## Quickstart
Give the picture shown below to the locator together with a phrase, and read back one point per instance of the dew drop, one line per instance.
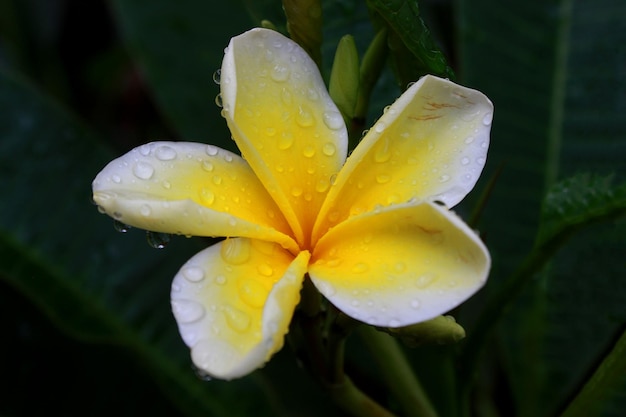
(237, 319)
(166, 184)
(304, 118)
(217, 180)
(465, 160)
(328, 149)
(360, 268)
(207, 166)
(165, 153)
(220, 280)
(280, 73)
(322, 185)
(145, 210)
(333, 120)
(218, 101)
(193, 273)
(212, 150)
(488, 119)
(469, 139)
(120, 227)
(143, 170)
(235, 251)
(270, 131)
(425, 280)
(157, 240)
(285, 141)
(308, 151)
(296, 191)
(266, 270)
(252, 293)
(116, 179)
(444, 178)
(217, 75)
(383, 153)
(207, 196)
(144, 149)
(383, 178)
(187, 311)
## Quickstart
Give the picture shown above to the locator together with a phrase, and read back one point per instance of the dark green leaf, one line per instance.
(413, 49)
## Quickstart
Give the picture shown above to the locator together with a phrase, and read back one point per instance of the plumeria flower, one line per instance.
(371, 231)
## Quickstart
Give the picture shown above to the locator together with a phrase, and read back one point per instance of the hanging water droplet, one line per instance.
(165, 153)
(218, 101)
(200, 374)
(143, 170)
(217, 76)
(157, 240)
(120, 227)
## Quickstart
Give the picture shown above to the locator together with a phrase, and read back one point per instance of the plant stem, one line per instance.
(353, 401)
(396, 372)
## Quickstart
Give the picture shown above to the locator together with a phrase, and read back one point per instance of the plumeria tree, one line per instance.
(365, 245)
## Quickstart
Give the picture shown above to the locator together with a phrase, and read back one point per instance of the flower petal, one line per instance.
(284, 122)
(399, 265)
(189, 189)
(233, 303)
(430, 144)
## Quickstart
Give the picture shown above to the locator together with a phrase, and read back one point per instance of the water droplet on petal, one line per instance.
(252, 292)
(469, 140)
(280, 73)
(465, 160)
(144, 149)
(165, 153)
(143, 170)
(360, 268)
(220, 280)
(296, 191)
(304, 118)
(116, 179)
(212, 150)
(488, 119)
(193, 273)
(207, 196)
(333, 120)
(145, 210)
(383, 178)
(425, 280)
(308, 151)
(237, 319)
(235, 251)
(265, 269)
(329, 149)
(207, 166)
(187, 311)
(218, 101)
(285, 141)
(416, 304)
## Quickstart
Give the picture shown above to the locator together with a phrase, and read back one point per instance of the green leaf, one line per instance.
(554, 77)
(93, 282)
(178, 47)
(304, 23)
(413, 49)
(607, 378)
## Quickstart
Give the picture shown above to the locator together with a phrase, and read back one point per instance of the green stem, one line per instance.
(354, 402)
(397, 373)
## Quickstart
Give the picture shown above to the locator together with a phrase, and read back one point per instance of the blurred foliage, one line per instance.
(85, 309)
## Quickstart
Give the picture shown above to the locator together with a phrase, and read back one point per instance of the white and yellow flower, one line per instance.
(368, 230)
